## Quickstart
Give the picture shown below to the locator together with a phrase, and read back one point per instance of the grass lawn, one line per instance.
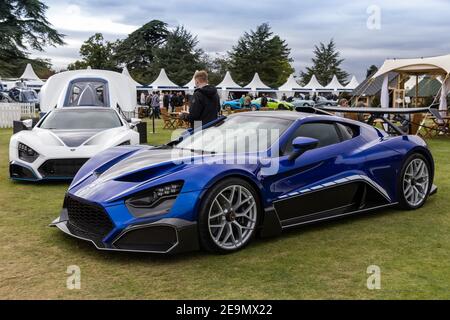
(321, 261)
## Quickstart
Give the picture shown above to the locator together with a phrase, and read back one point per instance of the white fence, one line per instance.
(10, 112)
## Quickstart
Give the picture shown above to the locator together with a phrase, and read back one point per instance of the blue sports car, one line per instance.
(246, 175)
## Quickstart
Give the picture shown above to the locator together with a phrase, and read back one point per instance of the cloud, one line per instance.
(408, 28)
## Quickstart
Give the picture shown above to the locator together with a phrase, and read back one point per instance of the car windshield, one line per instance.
(238, 134)
(81, 119)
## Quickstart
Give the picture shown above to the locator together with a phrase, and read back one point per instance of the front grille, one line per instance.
(61, 168)
(89, 218)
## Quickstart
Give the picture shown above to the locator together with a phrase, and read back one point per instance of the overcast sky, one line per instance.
(406, 28)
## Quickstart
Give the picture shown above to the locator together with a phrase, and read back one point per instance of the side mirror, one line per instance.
(300, 145)
(134, 122)
(28, 124)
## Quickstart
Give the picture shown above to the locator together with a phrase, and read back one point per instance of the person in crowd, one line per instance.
(173, 102)
(142, 99)
(247, 101)
(205, 106)
(344, 104)
(242, 100)
(264, 101)
(283, 97)
(166, 101)
(180, 99)
(155, 105)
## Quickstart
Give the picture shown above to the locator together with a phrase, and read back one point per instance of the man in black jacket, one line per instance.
(205, 105)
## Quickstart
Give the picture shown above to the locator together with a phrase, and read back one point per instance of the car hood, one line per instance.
(123, 170)
(75, 138)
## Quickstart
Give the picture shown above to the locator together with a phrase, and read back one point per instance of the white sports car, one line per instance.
(84, 115)
(64, 140)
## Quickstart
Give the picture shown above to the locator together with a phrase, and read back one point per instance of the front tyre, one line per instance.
(229, 216)
(414, 182)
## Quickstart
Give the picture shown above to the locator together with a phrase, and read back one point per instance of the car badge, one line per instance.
(72, 150)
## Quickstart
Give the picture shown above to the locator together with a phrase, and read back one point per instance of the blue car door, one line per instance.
(292, 195)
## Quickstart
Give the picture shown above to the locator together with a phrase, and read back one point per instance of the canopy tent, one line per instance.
(313, 85)
(428, 86)
(164, 83)
(334, 85)
(352, 85)
(127, 73)
(228, 83)
(290, 86)
(439, 65)
(256, 85)
(30, 78)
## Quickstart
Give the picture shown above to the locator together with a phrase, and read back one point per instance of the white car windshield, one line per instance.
(238, 134)
(80, 119)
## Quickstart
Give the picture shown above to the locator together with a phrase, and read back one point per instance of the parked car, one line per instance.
(83, 116)
(233, 105)
(301, 102)
(181, 197)
(273, 104)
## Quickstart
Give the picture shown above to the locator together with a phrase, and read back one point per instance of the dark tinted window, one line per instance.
(324, 132)
(81, 119)
(347, 132)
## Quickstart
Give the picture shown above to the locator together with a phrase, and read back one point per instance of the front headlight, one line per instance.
(155, 201)
(26, 153)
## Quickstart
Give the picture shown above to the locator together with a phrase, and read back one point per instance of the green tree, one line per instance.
(263, 52)
(137, 50)
(217, 68)
(23, 26)
(371, 71)
(326, 64)
(179, 56)
(97, 53)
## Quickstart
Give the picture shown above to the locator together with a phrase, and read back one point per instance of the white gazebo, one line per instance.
(352, 84)
(437, 66)
(313, 85)
(228, 85)
(164, 83)
(290, 87)
(256, 85)
(190, 86)
(334, 85)
(30, 78)
(127, 73)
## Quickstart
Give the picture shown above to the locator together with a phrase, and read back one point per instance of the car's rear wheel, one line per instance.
(229, 216)
(415, 182)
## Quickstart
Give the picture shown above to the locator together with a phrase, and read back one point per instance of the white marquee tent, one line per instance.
(352, 84)
(334, 85)
(228, 83)
(290, 87)
(313, 85)
(190, 86)
(439, 65)
(256, 85)
(127, 73)
(163, 82)
(30, 78)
